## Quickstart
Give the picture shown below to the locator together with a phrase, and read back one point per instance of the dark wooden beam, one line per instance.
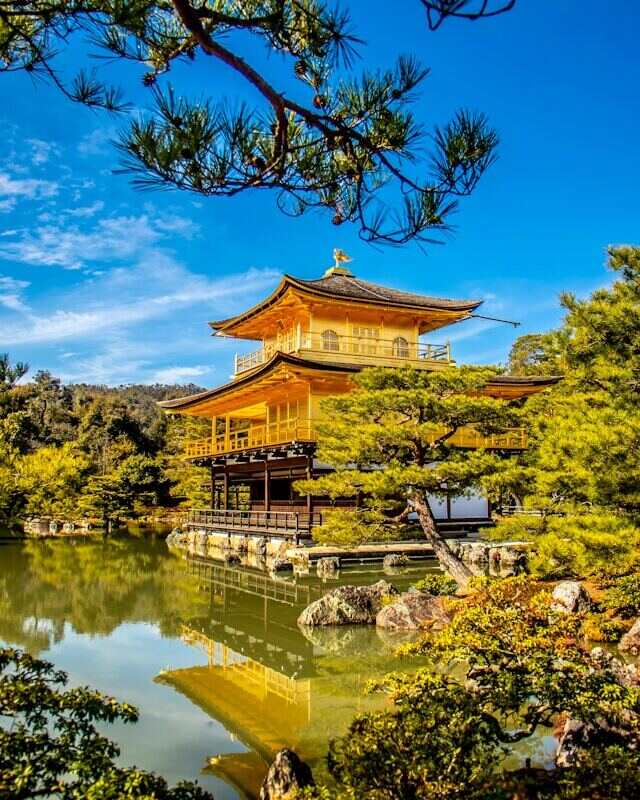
(225, 488)
(267, 493)
(309, 476)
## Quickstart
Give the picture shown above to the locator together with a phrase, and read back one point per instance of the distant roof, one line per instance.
(342, 286)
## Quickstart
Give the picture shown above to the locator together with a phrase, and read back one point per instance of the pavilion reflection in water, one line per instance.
(267, 682)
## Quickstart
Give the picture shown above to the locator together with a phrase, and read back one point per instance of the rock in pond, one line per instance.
(395, 560)
(287, 775)
(279, 565)
(413, 610)
(630, 642)
(570, 597)
(348, 605)
(328, 567)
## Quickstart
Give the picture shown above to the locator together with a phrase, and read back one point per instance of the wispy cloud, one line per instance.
(12, 189)
(156, 287)
(42, 151)
(108, 239)
(178, 374)
(11, 293)
(96, 143)
(83, 212)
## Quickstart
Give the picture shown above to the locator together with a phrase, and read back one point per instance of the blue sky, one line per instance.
(99, 282)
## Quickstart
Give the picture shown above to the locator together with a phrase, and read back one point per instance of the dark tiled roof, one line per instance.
(526, 380)
(353, 288)
(348, 287)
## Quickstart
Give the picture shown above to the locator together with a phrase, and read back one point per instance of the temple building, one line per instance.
(314, 336)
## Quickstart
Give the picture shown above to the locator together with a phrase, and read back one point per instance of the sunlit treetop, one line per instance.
(342, 141)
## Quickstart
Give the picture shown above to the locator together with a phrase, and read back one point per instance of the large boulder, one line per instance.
(414, 610)
(578, 737)
(286, 777)
(630, 642)
(570, 597)
(348, 605)
(575, 737)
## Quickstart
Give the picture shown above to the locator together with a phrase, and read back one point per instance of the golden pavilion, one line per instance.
(314, 335)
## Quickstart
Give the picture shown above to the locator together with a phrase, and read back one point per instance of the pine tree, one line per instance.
(334, 141)
(584, 458)
(391, 442)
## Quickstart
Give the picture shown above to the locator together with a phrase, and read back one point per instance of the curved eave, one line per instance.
(184, 403)
(462, 307)
(507, 386)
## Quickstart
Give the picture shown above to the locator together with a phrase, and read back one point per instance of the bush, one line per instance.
(436, 583)
(598, 628)
(624, 596)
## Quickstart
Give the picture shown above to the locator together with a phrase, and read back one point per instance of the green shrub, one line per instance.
(437, 583)
(598, 628)
(623, 596)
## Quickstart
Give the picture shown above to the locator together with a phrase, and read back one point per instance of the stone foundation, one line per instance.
(48, 527)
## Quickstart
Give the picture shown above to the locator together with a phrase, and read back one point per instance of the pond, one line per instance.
(210, 654)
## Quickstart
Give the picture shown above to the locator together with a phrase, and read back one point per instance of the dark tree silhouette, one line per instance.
(439, 10)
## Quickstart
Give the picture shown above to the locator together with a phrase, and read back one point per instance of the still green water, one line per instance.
(211, 655)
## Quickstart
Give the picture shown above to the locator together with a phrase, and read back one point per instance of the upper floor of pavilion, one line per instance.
(340, 318)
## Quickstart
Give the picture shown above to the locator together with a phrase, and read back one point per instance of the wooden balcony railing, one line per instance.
(251, 437)
(284, 523)
(302, 430)
(397, 350)
(514, 439)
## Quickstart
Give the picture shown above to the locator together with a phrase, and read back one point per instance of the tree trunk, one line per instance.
(448, 560)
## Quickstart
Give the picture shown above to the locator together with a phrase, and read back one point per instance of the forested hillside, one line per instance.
(85, 450)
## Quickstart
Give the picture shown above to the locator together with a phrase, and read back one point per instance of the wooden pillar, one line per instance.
(225, 488)
(267, 488)
(309, 476)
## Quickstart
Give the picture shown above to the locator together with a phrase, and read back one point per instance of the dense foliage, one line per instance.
(72, 451)
(582, 468)
(50, 745)
(406, 420)
(515, 666)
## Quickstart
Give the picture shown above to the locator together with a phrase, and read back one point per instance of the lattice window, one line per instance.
(400, 347)
(330, 341)
(365, 340)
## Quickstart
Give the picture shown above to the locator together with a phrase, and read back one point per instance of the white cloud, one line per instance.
(156, 287)
(42, 151)
(108, 240)
(10, 294)
(31, 188)
(86, 211)
(96, 143)
(178, 374)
